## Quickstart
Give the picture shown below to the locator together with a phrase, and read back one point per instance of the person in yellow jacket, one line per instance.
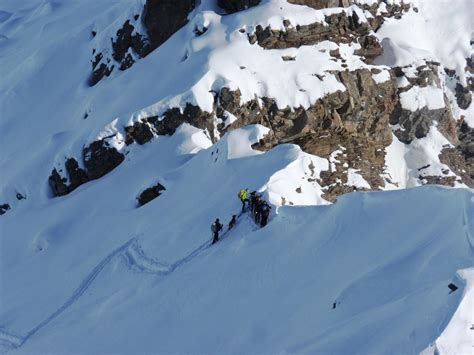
(244, 198)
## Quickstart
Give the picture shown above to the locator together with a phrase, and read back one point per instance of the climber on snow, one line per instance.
(244, 198)
(264, 213)
(257, 209)
(216, 227)
(253, 200)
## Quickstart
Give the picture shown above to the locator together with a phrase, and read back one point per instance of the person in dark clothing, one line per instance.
(253, 200)
(258, 211)
(232, 222)
(216, 228)
(258, 200)
(265, 212)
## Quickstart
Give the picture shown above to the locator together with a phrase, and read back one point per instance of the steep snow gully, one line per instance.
(395, 266)
(136, 260)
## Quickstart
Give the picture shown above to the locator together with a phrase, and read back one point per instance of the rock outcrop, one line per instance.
(150, 194)
(460, 158)
(322, 4)
(339, 28)
(416, 124)
(4, 208)
(379, 14)
(237, 5)
(343, 27)
(463, 96)
(355, 122)
(99, 158)
(144, 130)
(350, 128)
(161, 19)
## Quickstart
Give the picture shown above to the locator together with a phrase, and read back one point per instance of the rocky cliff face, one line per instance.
(416, 124)
(351, 128)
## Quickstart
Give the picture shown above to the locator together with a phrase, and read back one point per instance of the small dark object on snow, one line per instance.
(150, 194)
(4, 208)
(19, 196)
(232, 222)
(452, 287)
(334, 305)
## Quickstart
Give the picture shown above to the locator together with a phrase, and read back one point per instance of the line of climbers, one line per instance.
(253, 202)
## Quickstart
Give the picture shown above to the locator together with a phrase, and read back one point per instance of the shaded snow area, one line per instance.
(367, 275)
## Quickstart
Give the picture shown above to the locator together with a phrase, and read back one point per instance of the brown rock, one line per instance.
(339, 28)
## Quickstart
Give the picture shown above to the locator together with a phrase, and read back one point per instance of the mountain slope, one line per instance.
(102, 109)
(273, 289)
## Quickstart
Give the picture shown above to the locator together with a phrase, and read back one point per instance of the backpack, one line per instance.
(214, 227)
(243, 194)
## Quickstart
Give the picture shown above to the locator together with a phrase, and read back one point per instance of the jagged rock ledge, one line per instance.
(350, 128)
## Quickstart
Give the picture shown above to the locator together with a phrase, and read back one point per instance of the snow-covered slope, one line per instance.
(262, 98)
(367, 275)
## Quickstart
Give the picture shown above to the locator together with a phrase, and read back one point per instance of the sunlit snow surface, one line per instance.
(91, 273)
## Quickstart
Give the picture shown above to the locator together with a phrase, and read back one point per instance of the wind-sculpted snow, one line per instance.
(457, 337)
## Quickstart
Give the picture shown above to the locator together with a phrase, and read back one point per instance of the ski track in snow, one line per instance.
(15, 341)
(9, 341)
(136, 260)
